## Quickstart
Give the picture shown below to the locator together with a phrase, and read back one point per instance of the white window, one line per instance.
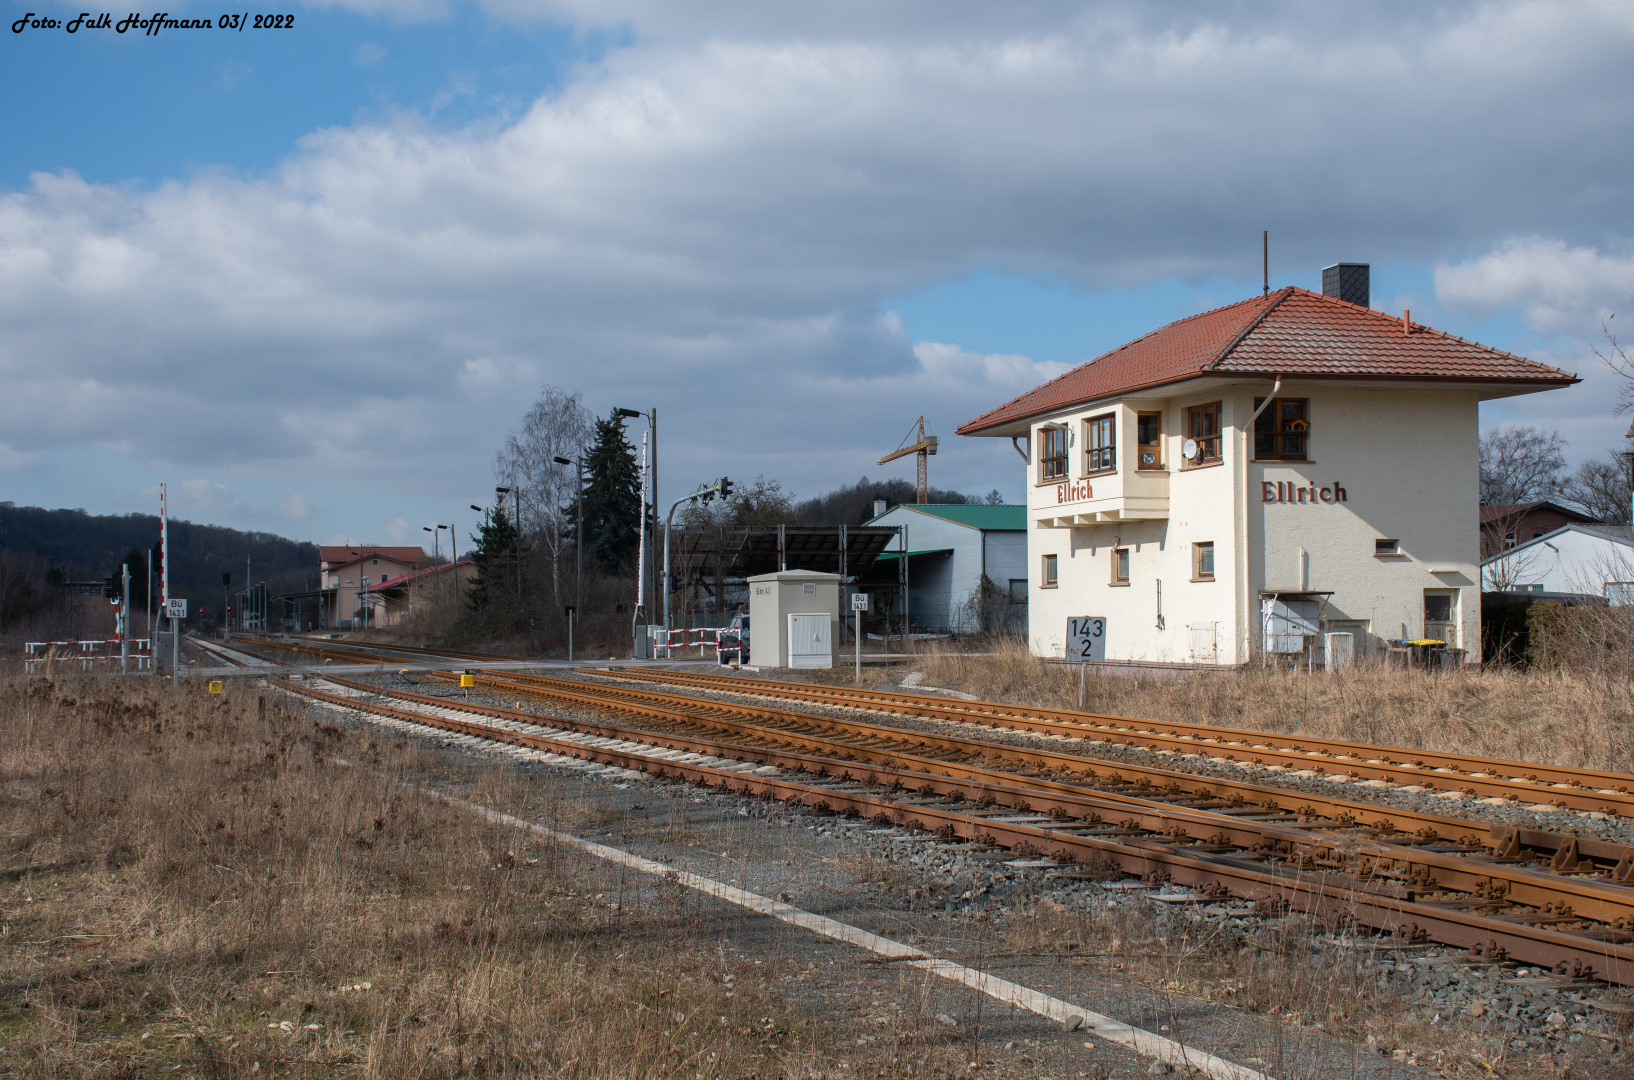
(1618, 593)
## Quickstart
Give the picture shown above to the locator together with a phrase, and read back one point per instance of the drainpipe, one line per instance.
(1240, 479)
(1276, 388)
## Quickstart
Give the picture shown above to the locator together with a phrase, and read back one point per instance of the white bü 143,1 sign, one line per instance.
(859, 601)
(176, 609)
(1086, 637)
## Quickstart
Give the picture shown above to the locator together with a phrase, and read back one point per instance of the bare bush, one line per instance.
(198, 883)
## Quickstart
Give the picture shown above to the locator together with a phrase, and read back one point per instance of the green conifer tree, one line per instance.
(494, 556)
(612, 518)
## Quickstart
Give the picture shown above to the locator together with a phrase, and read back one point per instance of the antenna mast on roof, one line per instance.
(1265, 262)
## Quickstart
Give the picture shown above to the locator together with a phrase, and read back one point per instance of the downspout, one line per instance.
(1240, 478)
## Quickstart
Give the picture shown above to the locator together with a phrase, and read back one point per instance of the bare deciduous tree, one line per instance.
(558, 425)
(1599, 488)
(1520, 464)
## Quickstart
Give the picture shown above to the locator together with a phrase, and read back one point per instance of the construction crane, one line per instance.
(924, 446)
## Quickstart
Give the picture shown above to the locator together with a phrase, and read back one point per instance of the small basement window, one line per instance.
(1387, 547)
(1048, 581)
(1202, 561)
(1018, 590)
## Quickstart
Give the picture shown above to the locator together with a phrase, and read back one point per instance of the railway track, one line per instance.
(1369, 883)
(1149, 787)
(1551, 787)
(1538, 897)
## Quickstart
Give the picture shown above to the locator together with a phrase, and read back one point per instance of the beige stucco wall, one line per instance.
(1405, 457)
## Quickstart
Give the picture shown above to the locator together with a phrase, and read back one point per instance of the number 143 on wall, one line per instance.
(1086, 637)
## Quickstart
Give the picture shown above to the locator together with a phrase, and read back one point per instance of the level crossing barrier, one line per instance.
(686, 637)
(85, 653)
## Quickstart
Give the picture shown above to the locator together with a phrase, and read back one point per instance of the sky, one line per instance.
(310, 275)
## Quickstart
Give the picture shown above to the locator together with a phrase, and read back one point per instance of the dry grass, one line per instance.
(1564, 716)
(193, 882)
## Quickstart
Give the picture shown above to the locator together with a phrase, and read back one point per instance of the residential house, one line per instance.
(1239, 483)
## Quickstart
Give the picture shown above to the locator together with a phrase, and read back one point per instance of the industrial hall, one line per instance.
(1295, 475)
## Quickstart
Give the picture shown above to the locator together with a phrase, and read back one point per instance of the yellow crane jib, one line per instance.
(922, 446)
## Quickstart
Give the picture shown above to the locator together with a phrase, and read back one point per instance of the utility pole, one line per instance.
(517, 524)
(578, 544)
(652, 421)
(720, 489)
(124, 618)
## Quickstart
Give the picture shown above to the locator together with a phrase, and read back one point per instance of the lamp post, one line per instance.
(578, 533)
(517, 526)
(652, 422)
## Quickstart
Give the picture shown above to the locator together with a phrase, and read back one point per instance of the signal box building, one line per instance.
(1239, 483)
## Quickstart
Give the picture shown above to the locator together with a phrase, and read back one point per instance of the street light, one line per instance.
(454, 562)
(517, 526)
(578, 534)
(652, 421)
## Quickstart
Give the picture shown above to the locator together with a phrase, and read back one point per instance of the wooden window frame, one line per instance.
(1278, 430)
(1101, 457)
(1218, 438)
(1049, 575)
(1116, 580)
(1052, 466)
(1197, 549)
(1156, 448)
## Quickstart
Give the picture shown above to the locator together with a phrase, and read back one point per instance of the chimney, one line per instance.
(1347, 282)
(880, 507)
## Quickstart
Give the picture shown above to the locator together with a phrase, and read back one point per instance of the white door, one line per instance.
(809, 644)
(1441, 615)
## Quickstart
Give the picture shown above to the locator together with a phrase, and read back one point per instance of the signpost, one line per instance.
(1086, 638)
(176, 611)
(859, 604)
(1086, 641)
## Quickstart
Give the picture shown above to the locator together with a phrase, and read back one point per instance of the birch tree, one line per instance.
(558, 425)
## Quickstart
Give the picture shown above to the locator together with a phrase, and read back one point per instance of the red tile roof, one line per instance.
(341, 554)
(397, 582)
(1291, 332)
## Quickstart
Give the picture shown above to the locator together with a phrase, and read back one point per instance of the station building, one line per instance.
(1242, 482)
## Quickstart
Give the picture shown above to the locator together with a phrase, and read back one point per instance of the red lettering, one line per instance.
(1338, 493)
(1327, 495)
(1267, 491)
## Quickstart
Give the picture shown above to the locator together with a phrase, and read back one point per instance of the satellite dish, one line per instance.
(1189, 450)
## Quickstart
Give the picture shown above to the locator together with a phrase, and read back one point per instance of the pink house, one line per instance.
(347, 572)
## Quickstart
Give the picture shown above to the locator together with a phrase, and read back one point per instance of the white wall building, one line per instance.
(951, 547)
(1596, 560)
(1206, 529)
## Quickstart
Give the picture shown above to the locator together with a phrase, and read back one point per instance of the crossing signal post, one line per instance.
(719, 491)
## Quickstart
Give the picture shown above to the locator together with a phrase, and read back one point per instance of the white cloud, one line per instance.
(295, 508)
(370, 54)
(707, 218)
(1558, 288)
(398, 530)
(201, 499)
